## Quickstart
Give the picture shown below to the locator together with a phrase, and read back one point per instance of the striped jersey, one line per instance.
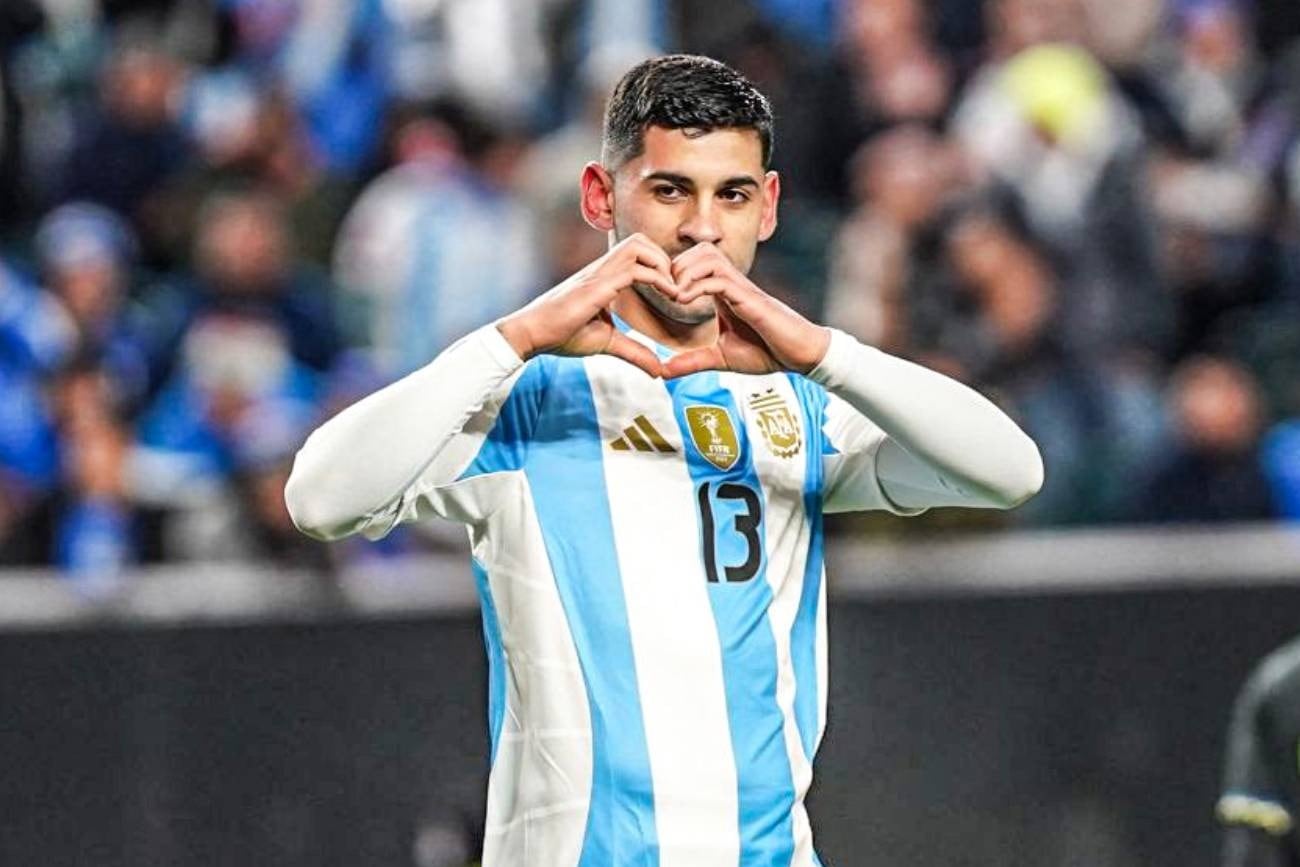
(649, 560)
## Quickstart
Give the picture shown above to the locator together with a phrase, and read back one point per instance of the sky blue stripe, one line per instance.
(803, 636)
(495, 655)
(506, 445)
(565, 471)
(749, 662)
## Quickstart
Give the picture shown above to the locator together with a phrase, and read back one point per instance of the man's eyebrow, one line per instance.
(672, 178)
(688, 184)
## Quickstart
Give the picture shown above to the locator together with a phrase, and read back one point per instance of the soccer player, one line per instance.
(643, 456)
(1261, 788)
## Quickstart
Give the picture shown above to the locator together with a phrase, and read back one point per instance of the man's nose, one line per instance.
(701, 227)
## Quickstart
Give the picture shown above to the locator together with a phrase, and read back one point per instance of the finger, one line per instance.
(697, 270)
(694, 361)
(600, 293)
(704, 256)
(661, 281)
(717, 286)
(637, 251)
(649, 253)
(624, 347)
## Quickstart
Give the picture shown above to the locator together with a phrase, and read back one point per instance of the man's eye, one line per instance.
(736, 196)
(667, 192)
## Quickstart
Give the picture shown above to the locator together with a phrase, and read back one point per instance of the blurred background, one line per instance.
(223, 220)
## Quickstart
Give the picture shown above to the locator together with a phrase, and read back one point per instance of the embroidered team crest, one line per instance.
(713, 434)
(779, 426)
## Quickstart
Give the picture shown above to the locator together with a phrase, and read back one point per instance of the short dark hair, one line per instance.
(681, 91)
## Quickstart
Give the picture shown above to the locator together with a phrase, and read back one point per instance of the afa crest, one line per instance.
(779, 426)
(714, 434)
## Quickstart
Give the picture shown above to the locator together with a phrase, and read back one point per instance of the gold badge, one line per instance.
(642, 436)
(713, 434)
(779, 426)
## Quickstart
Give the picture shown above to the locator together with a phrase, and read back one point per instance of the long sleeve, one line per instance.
(1257, 802)
(354, 471)
(943, 444)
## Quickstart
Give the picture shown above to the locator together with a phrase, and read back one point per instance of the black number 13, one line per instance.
(746, 524)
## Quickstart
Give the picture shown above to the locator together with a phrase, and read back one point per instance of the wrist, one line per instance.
(516, 334)
(818, 343)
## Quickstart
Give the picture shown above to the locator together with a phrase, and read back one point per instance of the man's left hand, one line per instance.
(756, 332)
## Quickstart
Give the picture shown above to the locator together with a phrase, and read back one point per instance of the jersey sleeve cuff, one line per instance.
(843, 355)
(498, 348)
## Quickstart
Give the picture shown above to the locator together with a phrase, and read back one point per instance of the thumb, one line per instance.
(694, 361)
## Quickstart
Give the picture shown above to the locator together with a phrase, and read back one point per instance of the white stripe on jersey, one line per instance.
(674, 637)
(540, 787)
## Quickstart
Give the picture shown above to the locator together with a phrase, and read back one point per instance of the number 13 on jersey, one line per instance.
(731, 517)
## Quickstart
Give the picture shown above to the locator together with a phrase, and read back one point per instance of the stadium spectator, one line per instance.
(94, 531)
(132, 142)
(1214, 74)
(1214, 186)
(902, 180)
(236, 397)
(1050, 130)
(438, 244)
(245, 266)
(1213, 471)
(86, 253)
(255, 139)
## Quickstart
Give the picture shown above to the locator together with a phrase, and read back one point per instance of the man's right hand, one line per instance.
(573, 318)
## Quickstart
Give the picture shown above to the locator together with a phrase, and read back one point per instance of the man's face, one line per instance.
(244, 248)
(688, 188)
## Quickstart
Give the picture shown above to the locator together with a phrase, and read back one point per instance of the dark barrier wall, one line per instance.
(1067, 730)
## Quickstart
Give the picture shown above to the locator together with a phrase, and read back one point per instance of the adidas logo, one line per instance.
(641, 436)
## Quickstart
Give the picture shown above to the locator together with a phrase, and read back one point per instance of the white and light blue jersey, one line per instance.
(649, 559)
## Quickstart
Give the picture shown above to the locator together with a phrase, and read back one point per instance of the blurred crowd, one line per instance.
(221, 220)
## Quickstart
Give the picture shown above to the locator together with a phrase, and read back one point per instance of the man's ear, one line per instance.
(597, 197)
(771, 197)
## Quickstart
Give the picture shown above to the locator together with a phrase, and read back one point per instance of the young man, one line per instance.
(643, 456)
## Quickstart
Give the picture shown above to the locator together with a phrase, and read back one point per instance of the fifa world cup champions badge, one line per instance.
(778, 424)
(714, 434)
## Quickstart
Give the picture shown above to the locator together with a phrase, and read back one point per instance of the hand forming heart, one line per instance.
(756, 332)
